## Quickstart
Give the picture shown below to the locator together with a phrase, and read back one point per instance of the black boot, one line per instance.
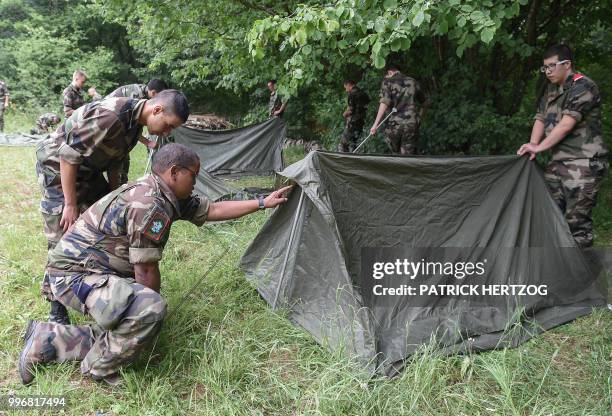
(59, 313)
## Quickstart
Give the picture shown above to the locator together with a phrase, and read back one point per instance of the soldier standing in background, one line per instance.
(95, 139)
(107, 266)
(73, 93)
(4, 102)
(140, 91)
(357, 102)
(568, 121)
(276, 106)
(405, 95)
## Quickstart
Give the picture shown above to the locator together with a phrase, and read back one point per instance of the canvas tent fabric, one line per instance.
(20, 139)
(251, 150)
(213, 188)
(306, 258)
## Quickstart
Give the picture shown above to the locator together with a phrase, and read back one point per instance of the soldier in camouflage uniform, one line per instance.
(405, 95)
(568, 120)
(276, 106)
(106, 267)
(4, 102)
(354, 114)
(138, 91)
(73, 93)
(95, 139)
(46, 122)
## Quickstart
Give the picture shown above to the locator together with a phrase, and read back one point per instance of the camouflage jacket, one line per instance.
(404, 94)
(580, 99)
(128, 226)
(4, 92)
(45, 122)
(72, 99)
(357, 102)
(136, 91)
(97, 137)
(275, 103)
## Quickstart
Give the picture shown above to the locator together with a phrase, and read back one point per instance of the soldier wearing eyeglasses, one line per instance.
(568, 121)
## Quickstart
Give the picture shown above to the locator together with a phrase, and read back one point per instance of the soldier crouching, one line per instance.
(107, 267)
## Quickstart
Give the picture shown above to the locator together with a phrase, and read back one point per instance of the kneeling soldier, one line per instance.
(106, 266)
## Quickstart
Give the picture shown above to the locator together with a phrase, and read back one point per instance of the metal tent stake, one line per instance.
(394, 110)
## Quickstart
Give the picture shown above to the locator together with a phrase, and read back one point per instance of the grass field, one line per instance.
(224, 352)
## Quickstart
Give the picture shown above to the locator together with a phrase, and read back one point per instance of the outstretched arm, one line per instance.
(227, 210)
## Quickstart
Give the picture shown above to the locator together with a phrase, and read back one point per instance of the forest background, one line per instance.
(477, 60)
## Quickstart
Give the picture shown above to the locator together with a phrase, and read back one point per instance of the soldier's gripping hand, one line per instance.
(277, 197)
(532, 149)
(70, 214)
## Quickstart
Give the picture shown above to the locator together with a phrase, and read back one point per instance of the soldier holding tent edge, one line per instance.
(568, 121)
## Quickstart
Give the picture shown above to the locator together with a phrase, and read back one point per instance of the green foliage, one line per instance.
(43, 43)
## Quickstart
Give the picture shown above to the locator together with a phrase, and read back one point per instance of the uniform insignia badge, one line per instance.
(156, 226)
(577, 76)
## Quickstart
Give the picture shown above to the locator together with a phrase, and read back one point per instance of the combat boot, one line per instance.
(59, 313)
(38, 349)
(113, 380)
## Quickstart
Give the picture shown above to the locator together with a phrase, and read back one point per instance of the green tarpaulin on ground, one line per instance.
(250, 150)
(20, 139)
(307, 257)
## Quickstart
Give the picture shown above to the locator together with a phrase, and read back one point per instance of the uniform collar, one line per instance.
(74, 87)
(137, 110)
(165, 189)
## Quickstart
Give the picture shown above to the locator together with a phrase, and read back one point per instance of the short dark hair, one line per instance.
(562, 51)
(348, 81)
(174, 101)
(157, 85)
(392, 66)
(272, 81)
(174, 154)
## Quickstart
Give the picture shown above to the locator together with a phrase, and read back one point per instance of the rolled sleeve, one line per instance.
(70, 155)
(539, 116)
(573, 114)
(582, 98)
(145, 255)
(148, 226)
(195, 210)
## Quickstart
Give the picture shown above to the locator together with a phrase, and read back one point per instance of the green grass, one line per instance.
(224, 352)
(22, 119)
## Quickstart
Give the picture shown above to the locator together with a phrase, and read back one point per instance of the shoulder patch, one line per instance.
(157, 226)
(577, 76)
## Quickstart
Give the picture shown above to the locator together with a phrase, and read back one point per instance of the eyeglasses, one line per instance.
(552, 67)
(194, 175)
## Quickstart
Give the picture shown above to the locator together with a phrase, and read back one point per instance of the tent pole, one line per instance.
(394, 110)
(291, 236)
(149, 160)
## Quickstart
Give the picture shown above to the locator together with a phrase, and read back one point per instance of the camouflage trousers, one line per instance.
(350, 135)
(127, 317)
(402, 138)
(2, 117)
(574, 185)
(89, 190)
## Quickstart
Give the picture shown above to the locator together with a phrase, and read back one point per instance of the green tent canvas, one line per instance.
(250, 150)
(307, 257)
